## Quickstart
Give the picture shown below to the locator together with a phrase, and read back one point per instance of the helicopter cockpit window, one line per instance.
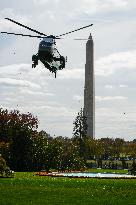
(49, 44)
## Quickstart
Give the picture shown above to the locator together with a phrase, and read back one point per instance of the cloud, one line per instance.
(56, 101)
(78, 98)
(44, 2)
(8, 26)
(84, 8)
(71, 74)
(109, 86)
(17, 75)
(40, 1)
(110, 98)
(25, 91)
(36, 91)
(14, 69)
(108, 65)
(53, 111)
(123, 86)
(112, 122)
(103, 6)
(17, 83)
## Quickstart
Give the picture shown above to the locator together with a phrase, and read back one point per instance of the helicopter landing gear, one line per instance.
(35, 61)
(33, 65)
(62, 62)
(53, 70)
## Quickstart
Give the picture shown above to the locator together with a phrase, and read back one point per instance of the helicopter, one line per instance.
(48, 53)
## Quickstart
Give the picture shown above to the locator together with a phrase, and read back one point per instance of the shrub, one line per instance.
(4, 169)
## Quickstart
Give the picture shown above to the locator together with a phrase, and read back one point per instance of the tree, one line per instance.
(80, 132)
(55, 152)
(12, 122)
(18, 129)
(5, 150)
(132, 149)
(39, 151)
(47, 152)
(2, 165)
(71, 159)
(91, 148)
(80, 125)
(4, 169)
(107, 144)
(117, 147)
(133, 168)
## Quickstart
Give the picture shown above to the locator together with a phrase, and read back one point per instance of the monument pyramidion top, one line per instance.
(90, 37)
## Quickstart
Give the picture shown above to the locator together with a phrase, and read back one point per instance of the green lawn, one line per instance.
(27, 188)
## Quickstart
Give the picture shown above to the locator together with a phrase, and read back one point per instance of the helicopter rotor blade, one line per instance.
(20, 34)
(74, 30)
(32, 36)
(26, 27)
(82, 39)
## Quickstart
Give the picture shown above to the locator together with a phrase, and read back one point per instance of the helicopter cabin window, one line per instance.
(48, 44)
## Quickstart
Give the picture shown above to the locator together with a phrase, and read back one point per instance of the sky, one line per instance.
(56, 102)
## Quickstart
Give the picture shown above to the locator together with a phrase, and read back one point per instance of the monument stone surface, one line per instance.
(89, 90)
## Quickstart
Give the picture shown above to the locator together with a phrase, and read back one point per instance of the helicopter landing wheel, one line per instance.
(33, 65)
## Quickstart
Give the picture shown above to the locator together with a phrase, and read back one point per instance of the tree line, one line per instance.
(26, 149)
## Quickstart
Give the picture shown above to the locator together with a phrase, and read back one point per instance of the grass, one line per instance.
(27, 188)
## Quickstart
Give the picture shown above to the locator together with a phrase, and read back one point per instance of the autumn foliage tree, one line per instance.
(12, 122)
(26, 149)
(18, 129)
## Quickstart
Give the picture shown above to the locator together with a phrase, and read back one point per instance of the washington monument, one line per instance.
(89, 90)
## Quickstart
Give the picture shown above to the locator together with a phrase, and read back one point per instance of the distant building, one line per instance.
(89, 90)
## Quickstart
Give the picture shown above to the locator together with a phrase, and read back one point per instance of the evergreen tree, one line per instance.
(80, 132)
(80, 125)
